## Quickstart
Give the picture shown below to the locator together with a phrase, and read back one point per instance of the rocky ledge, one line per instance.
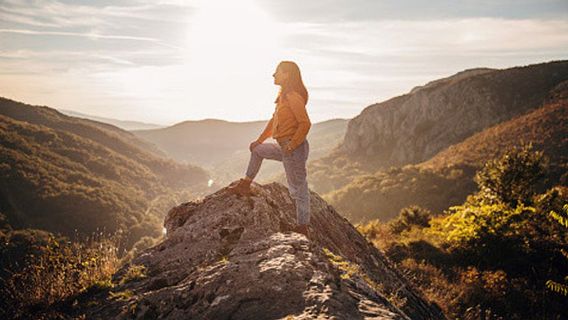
(231, 257)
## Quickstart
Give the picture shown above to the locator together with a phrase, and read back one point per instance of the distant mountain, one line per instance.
(414, 127)
(325, 136)
(49, 116)
(376, 171)
(546, 127)
(64, 174)
(123, 124)
(205, 142)
(222, 146)
(453, 78)
(447, 178)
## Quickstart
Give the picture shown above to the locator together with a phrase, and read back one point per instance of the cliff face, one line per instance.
(227, 257)
(414, 127)
(447, 178)
(544, 127)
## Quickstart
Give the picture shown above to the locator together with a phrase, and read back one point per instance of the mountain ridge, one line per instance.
(222, 147)
(447, 178)
(69, 175)
(414, 127)
(123, 124)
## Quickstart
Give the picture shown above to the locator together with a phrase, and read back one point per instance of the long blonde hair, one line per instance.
(294, 82)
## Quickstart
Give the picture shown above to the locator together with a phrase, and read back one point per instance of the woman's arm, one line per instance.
(267, 131)
(298, 107)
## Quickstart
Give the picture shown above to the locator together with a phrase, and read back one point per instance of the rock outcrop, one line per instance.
(416, 126)
(231, 257)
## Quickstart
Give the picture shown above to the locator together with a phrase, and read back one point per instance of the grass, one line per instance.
(56, 270)
(134, 272)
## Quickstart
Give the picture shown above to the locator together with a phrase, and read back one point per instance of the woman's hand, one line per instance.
(287, 151)
(253, 145)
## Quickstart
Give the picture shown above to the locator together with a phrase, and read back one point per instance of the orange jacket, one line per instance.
(290, 119)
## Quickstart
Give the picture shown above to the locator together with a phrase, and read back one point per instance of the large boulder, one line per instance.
(231, 257)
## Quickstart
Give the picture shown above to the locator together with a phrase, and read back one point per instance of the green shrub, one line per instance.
(410, 216)
(477, 225)
(490, 257)
(512, 178)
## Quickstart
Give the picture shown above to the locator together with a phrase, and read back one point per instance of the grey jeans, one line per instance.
(295, 168)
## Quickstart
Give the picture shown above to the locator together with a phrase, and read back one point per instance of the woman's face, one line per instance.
(280, 76)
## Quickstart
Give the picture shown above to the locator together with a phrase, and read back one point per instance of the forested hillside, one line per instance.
(76, 176)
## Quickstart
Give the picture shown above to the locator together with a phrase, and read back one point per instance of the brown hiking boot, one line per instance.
(241, 188)
(303, 229)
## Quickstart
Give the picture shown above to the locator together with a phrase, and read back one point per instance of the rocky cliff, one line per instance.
(230, 257)
(414, 127)
(447, 179)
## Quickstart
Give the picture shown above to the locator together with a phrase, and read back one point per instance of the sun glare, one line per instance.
(233, 30)
(233, 47)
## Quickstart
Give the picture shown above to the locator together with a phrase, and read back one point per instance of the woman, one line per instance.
(289, 125)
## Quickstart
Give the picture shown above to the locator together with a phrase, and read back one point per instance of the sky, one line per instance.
(167, 61)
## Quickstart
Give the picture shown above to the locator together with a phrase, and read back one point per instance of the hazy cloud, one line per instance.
(364, 10)
(133, 54)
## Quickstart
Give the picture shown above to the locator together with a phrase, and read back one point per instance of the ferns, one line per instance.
(558, 287)
(562, 220)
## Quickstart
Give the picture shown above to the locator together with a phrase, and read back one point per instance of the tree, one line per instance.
(409, 216)
(512, 178)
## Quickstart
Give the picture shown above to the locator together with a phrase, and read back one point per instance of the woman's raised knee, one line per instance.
(256, 149)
